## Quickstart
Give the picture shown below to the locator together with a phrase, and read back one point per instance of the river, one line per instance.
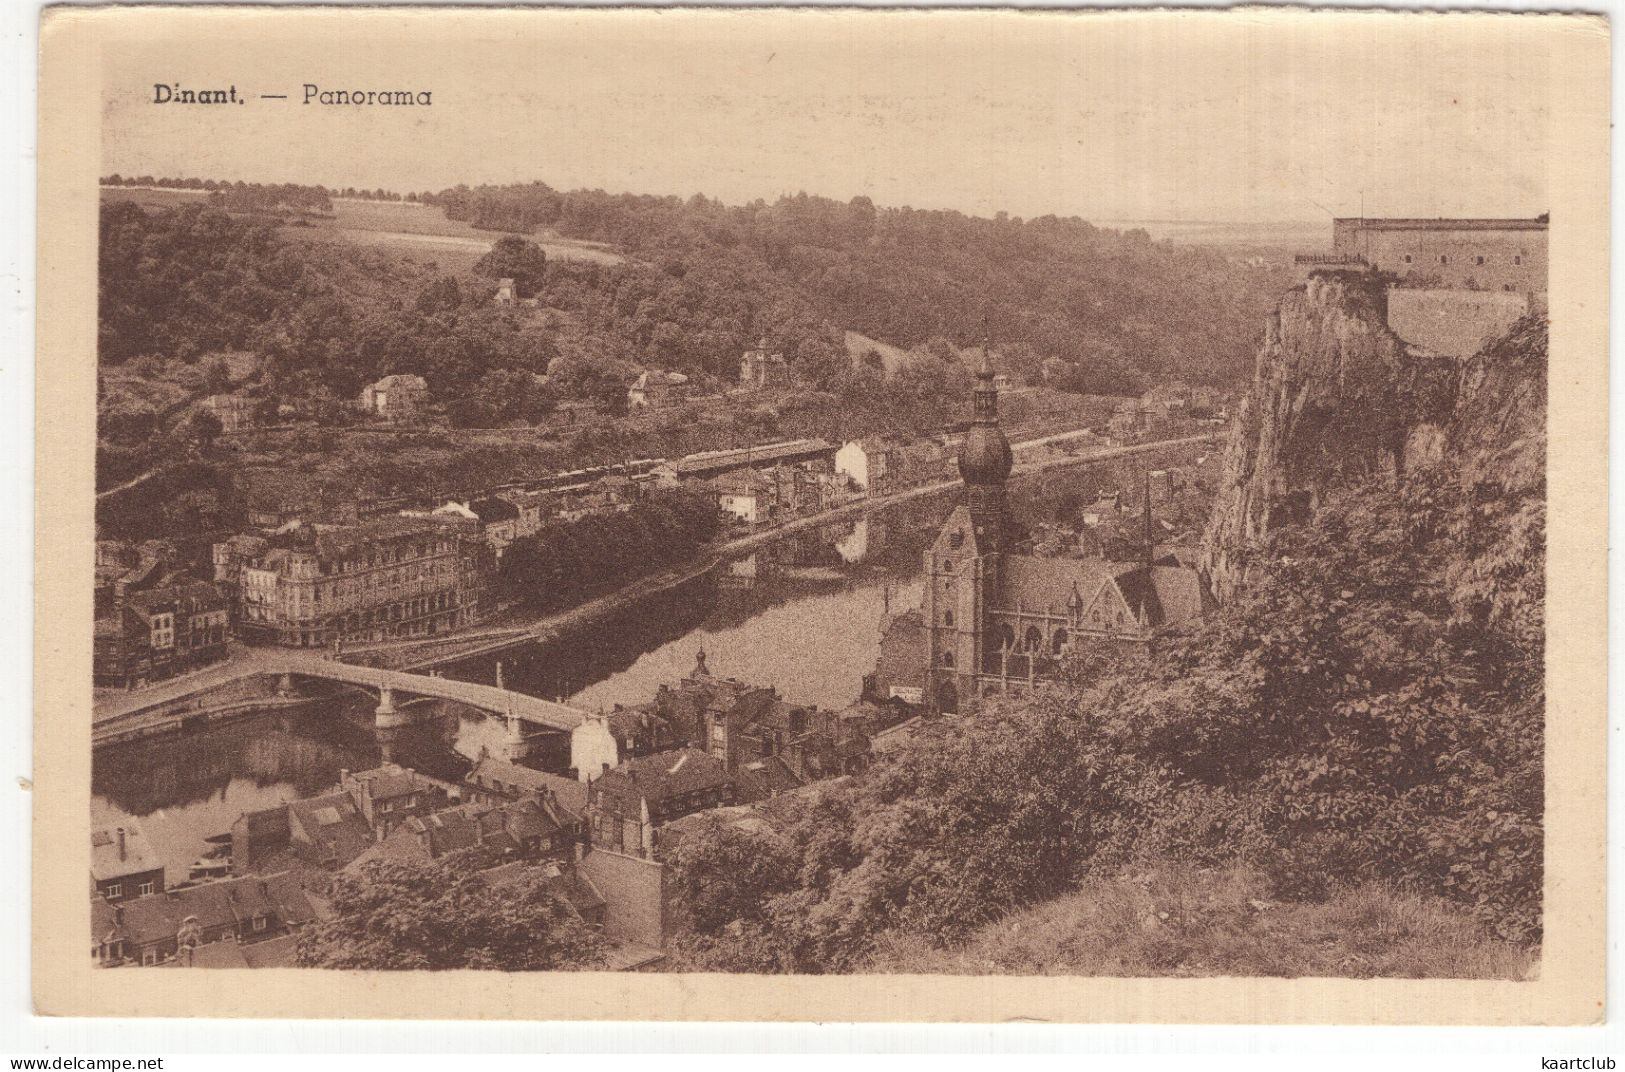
(803, 614)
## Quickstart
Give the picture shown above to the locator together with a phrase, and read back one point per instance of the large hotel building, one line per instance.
(384, 578)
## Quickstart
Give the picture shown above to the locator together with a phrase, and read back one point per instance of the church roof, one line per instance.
(1049, 582)
(1167, 595)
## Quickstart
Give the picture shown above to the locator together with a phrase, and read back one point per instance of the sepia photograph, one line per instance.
(803, 494)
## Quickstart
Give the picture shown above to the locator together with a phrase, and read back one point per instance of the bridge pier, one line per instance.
(515, 749)
(284, 686)
(385, 716)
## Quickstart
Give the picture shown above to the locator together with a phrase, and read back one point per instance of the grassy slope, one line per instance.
(1174, 922)
(400, 226)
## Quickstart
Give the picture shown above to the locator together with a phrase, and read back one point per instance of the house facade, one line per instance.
(381, 578)
(398, 399)
(160, 927)
(160, 632)
(123, 864)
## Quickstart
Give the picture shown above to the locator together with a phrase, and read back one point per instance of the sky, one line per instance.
(1183, 116)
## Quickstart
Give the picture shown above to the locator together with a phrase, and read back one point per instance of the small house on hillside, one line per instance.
(759, 368)
(654, 389)
(396, 398)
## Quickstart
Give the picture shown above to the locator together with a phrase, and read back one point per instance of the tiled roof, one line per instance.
(188, 597)
(503, 827)
(569, 792)
(334, 822)
(388, 783)
(763, 778)
(564, 879)
(158, 916)
(1182, 594)
(657, 777)
(757, 455)
(490, 510)
(1040, 583)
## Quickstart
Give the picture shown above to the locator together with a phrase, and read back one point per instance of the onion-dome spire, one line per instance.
(985, 459)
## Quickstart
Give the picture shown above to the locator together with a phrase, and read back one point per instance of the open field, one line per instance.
(400, 226)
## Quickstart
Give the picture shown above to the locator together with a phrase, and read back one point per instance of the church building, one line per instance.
(994, 616)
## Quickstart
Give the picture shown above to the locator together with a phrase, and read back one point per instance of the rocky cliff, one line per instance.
(1338, 398)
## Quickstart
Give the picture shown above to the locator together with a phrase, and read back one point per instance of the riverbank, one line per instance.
(424, 655)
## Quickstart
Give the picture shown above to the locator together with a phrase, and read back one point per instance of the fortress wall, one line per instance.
(1453, 322)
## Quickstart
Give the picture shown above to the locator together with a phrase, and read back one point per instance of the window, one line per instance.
(1407, 258)
(143, 889)
(948, 659)
(114, 889)
(1478, 260)
(1443, 259)
(149, 957)
(1517, 259)
(948, 617)
(259, 923)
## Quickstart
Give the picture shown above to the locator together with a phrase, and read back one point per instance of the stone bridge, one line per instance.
(140, 714)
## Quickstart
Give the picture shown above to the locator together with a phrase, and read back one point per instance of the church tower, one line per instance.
(962, 567)
(985, 460)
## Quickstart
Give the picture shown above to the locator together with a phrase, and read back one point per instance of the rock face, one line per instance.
(1336, 396)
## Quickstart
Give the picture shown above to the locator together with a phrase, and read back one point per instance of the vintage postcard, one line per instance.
(822, 514)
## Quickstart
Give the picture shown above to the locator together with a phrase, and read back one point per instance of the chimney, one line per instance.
(121, 852)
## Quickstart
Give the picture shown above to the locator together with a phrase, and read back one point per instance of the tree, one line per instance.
(445, 915)
(202, 428)
(516, 258)
(216, 377)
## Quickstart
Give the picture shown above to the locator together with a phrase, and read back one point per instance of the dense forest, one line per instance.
(1118, 307)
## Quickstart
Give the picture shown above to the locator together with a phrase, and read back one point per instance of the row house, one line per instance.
(123, 864)
(380, 579)
(154, 634)
(162, 927)
(747, 495)
(497, 519)
(867, 464)
(534, 827)
(626, 805)
(330, 830)
(494, 780)
(122, 568)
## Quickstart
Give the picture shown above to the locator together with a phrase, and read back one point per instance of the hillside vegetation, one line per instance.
(1367, 711)
(705, 282)
(1205, 922)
